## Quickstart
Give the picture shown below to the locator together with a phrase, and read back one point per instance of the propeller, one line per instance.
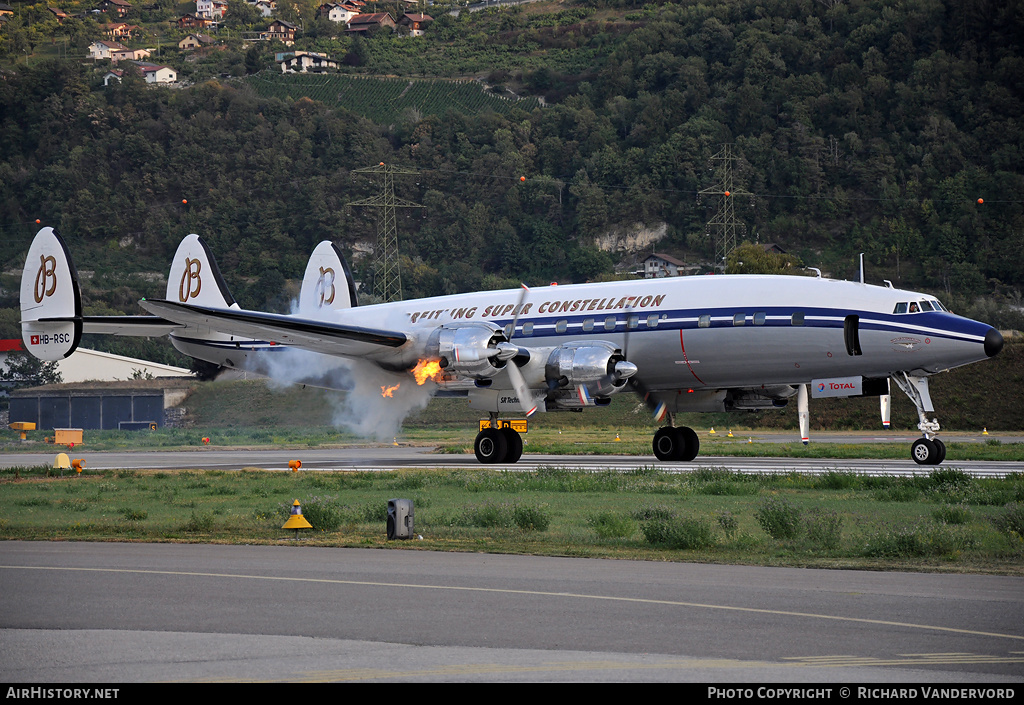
(657, 408)
(508, 352)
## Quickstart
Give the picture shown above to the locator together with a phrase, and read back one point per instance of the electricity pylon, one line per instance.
(387, 274)
(724, 224)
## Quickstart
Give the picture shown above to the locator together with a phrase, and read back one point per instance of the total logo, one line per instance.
(835, 386)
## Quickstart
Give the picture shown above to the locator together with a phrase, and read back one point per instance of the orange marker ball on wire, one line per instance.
(184, 200)
(728, 193)
(38, 221)
(980, 201)
(522, 178)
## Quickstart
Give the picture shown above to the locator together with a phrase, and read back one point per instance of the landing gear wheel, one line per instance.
(666, 444)
(924, 452)
(676, 444)
(689, 444)
(941, 448)
(514, 442)
(490, 446)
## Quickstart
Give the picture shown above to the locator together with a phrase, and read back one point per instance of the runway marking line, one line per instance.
(536, 593)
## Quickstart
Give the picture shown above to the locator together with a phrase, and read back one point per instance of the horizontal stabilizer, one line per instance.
(146, 326)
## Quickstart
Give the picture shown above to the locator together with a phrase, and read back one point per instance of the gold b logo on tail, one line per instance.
(46, 278)
(322, 285)
(189, 277)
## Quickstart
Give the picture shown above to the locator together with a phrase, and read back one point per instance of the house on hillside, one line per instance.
(193, 41)
(127, 54)
(6, 10)
(155, 73)
(120, 30)
(362, 24)
(656, 266)
(193, 22)
(413, 23)
(211, 9)
(305, 61)
(104, 48)
(282, 31)
(112, 75)
(59, 14)
(116, 7)
(266, 7)
(338, 11)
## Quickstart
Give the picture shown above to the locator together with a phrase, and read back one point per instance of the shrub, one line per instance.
(647, 513)
(530, 518)
(915, 540)
(134, 514)
(1010, 521)
(833, 480)
(199, 523)
(683, 533)
(728, 523)
(322, 514)
(610, 525)
(824, 527)
(779, 518)
(952, 514)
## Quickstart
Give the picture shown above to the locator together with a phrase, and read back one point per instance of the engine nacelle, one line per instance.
(596, 365)
(467, 349)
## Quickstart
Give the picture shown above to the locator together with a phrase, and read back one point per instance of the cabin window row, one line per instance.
(609, 323)
(758, 319)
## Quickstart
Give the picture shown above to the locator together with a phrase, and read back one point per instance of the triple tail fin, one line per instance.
(51, 302)
(327, 284)
(195, 278)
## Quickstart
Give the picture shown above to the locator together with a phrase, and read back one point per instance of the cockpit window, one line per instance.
(913, 307)
(938, 306)
(901, 307)
(926, 306)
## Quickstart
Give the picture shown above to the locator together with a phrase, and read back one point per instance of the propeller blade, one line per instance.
(522, 389)
(518, 309)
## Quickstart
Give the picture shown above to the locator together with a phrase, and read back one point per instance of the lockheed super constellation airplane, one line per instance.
(702, 343)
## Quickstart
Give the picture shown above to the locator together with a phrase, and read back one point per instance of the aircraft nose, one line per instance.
(993, 342)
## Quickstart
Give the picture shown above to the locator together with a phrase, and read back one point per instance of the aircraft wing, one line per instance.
(148, 326)
(316, 335)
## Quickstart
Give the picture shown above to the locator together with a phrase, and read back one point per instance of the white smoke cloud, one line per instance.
(361, 408)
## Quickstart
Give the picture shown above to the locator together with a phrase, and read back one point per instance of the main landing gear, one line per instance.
(928, 450)
(498, 445)
(672, 443)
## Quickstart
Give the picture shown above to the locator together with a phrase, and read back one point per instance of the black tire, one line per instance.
(666, 444)
(689, 444)
(514, 442)
(941, 448)
(924, 452)
(490, 446)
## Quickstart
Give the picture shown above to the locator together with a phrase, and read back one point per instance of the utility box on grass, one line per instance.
(400, 519)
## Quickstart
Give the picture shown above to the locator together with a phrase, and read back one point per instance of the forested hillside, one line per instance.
(860, 126)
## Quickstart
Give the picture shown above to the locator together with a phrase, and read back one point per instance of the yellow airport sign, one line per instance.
(518, 425)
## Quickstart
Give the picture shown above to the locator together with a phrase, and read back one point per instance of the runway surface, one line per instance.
(379, 458)
(123, 613)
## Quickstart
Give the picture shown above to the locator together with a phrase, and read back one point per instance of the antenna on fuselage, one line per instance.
(861, 267)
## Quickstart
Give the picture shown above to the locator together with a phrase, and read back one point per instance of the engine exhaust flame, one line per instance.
(427, 369)
(389, 391)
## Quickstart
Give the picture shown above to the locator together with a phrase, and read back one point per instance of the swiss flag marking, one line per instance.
(35, 340)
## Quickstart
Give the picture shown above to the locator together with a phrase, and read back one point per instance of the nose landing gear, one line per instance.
(928, 450)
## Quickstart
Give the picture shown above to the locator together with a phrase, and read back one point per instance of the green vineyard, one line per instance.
(385, 100)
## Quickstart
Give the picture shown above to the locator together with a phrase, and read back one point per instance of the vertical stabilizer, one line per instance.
(51, 304)
(327, 284)
(195, 277)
